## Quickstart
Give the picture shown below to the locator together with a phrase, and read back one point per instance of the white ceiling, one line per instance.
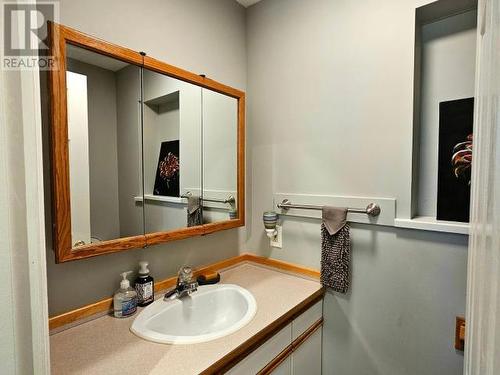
(94, 58)
(247, 3)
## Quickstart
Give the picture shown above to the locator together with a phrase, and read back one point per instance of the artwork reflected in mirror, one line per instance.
(220, 156)
(105, 148)
(172, 152)
(168, 171)
(455, 159)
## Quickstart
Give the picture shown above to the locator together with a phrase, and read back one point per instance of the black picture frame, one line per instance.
(456, 119)
(167, 180)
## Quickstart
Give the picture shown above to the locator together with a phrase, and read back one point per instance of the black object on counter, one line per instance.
(208, 279)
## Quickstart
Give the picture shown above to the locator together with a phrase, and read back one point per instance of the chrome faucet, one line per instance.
(186, 284)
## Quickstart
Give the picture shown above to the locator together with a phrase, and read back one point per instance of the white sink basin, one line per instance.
(213, 311)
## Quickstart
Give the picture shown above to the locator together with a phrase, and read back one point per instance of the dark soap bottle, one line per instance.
(144, 285)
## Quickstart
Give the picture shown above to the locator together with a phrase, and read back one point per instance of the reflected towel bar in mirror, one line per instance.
(230, 199)
(372, 209)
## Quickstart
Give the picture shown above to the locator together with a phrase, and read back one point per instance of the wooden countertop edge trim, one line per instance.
(235, 356)
(280, 358)
(105, 305)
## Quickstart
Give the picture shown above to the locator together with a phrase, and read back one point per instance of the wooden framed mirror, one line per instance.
(142, 152)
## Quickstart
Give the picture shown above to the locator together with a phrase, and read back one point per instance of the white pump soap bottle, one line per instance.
(125, 298)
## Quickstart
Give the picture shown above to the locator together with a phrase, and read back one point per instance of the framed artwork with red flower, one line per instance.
(168, 170)
(456, 118)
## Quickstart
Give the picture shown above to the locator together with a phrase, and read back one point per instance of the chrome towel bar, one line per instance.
(372, 209)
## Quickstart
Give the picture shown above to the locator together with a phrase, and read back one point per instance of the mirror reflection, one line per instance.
(220, 169)
(172, 153)
(104, 138)
(168, 164)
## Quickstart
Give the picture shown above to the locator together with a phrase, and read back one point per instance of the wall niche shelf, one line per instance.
(431, 224)
(444, 70)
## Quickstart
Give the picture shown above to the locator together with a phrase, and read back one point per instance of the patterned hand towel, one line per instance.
(335, 249)
(194, 211)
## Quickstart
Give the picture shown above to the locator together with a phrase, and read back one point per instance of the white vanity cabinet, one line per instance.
(306, 358)
(303, 359)
(284, 368)
(283, 338)
(294, 350)
(264, 354)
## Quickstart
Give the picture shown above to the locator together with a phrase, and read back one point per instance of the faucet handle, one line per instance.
(185, 284)
(185, 274)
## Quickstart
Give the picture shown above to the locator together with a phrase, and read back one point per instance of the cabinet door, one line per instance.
(285, 368)
(258, 359)
(104, 149)
(220, 157)
(172, 153)
(306, 320)
(306, 359)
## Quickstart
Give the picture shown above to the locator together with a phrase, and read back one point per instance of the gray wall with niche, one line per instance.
(330, 98)
(447, 73)
(195, 29)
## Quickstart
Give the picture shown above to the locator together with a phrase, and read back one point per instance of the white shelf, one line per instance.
(431, 224)
(387, 214)
(160, 198)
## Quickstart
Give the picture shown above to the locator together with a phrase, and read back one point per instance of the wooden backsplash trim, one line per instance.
(284, 266)
(106, 304)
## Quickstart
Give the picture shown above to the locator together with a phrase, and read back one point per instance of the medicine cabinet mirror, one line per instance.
(142, 152)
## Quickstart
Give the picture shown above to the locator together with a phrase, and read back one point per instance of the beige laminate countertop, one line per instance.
(106, 345)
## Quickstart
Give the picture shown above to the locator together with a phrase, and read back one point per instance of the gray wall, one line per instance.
(330, 93)
(129, 150)
(201, 36)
